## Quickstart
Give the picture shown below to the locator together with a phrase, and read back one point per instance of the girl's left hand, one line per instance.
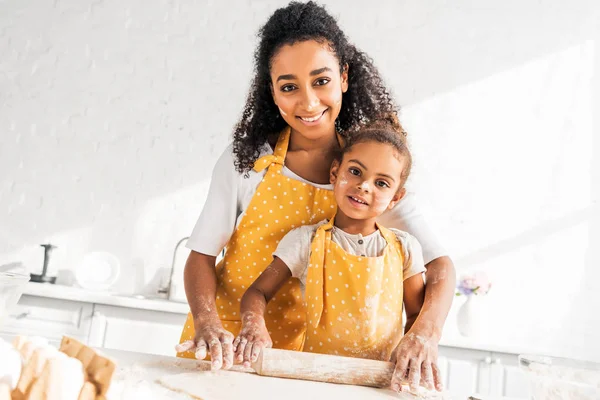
(253, 337)
(416, 362)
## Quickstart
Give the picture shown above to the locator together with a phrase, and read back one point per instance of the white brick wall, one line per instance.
(112, 114)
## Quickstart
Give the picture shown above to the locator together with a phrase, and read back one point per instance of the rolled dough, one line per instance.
(229, 385)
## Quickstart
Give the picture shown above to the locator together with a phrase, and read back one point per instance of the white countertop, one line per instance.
(136, 377)
(97, 297)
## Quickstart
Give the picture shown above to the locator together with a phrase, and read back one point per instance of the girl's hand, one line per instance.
(416, 362)
(252, 339)
(211, 337)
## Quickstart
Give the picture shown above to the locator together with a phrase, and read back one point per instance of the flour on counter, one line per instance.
(228, 385)
(563, 383)
(138, 381)
(181, 379)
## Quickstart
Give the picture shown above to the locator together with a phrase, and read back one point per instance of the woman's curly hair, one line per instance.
(365, 99)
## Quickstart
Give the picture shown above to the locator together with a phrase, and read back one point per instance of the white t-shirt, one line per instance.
(294, 249)
(230, 194)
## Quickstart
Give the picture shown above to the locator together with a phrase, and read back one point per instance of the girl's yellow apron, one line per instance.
(354, 304)
(279, 205)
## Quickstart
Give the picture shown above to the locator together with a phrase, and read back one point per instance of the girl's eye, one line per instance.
(382, 184)
(354, 171)
(287, 88)
(322, 81)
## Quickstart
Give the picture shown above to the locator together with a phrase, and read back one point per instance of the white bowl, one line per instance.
(12, 285)
(553, 378)
(98, 271)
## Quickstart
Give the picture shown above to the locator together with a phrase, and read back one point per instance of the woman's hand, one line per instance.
(211, 338)
(416, 362)
(252, 339)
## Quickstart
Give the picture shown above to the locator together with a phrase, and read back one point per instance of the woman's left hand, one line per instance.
(416, 362)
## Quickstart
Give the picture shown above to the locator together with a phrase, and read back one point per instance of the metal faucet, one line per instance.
(167, 289)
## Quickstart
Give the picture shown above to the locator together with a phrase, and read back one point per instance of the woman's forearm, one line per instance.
(200, 280)
(409, 323)
(439, 293)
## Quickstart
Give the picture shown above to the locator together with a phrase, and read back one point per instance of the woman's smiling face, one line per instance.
(307, 86)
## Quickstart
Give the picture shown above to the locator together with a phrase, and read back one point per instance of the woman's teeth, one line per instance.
(311, 119)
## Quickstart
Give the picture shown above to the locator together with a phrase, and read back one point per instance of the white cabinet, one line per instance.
(466, 371)
(508, 380)
(50, 318)
(142, 331)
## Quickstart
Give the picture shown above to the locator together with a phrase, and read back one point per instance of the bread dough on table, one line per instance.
(228, 385)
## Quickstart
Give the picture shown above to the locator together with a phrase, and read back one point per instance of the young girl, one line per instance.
(355, 274)
(310, 84)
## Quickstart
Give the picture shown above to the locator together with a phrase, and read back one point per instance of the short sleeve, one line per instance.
(413, 254)
(294, 250)
(405, 216)
(217, 219)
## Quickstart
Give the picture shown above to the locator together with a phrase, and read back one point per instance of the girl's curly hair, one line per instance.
(365, 99)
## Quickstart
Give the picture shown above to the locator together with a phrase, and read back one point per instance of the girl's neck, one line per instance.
(325, 144)
(354, 226)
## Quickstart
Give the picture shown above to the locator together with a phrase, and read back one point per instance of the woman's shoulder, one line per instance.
(226, 160)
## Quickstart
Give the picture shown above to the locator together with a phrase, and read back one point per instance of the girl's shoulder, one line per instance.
(308, 229)
(408, 242)
(401, 235)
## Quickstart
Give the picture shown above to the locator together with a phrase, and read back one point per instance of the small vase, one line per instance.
(469, 317)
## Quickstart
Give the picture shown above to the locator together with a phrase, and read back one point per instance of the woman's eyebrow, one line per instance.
(289, 77)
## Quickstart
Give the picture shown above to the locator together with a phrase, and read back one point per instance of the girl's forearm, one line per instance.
(253, 305)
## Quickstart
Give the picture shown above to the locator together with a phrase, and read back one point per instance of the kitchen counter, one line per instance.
(137, 374)
(450, 338)
(108, 298)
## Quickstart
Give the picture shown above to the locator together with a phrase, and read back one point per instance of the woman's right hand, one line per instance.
(253, 337)
(211, 338)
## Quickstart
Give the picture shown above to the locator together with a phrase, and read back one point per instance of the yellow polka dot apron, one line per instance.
(354, 303)
(278, 205)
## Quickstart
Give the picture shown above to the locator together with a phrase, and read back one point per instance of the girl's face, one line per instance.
(307, 87)
(367, 182)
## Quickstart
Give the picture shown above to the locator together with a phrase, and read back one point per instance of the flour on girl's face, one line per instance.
(282, 112)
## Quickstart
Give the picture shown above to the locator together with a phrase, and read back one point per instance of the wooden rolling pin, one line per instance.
(323, 368)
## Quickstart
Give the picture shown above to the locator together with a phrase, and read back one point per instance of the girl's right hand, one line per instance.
(253, 337)
(211, 337)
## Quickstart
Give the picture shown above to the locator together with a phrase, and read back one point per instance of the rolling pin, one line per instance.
(323, 368)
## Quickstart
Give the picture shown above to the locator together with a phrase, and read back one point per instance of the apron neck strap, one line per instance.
(277, 159)
(283, 142)
(389, 236)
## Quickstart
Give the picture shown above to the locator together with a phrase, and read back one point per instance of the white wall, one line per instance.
(112, 114)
